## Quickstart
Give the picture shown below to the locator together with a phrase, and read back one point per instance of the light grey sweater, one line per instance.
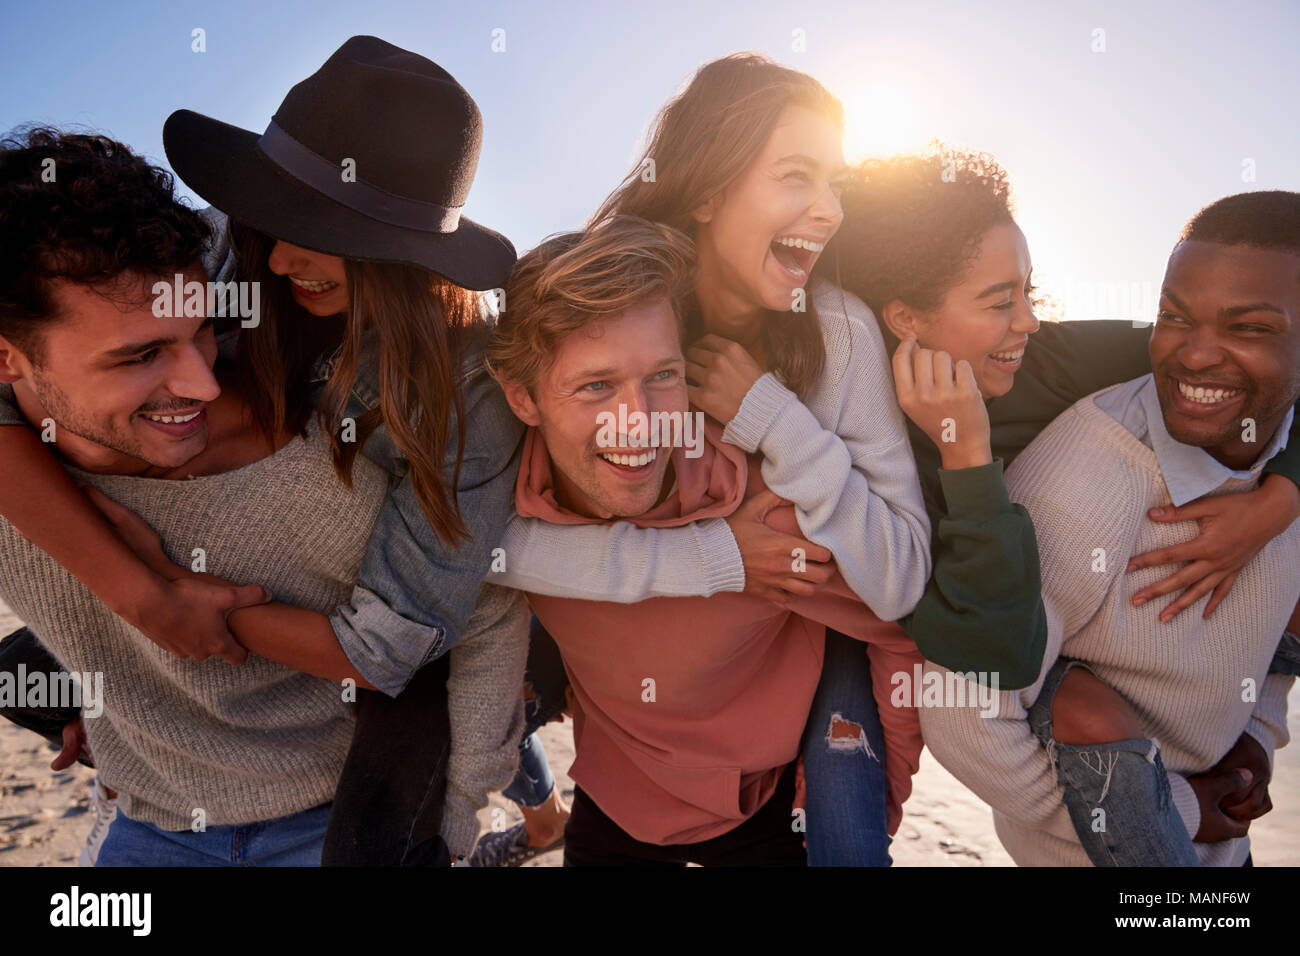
(1195, 685)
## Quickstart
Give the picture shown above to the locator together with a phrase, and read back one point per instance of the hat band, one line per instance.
(326, 177)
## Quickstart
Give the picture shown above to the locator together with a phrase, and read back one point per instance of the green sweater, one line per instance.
(982, 610)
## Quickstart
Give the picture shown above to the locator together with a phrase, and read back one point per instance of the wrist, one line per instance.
(1282, 494)
(144, 590)
(954, 456)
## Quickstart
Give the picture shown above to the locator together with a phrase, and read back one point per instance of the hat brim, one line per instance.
(222, 163)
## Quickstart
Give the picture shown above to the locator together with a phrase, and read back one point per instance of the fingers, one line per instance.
(1182, 578)
(1220, 592)
(73, 738)
(1188, 512)
(718, 344)
(233, 653)
(941, 371)
(923, 372)
(768, 592)
(1190, 597)
(1236, 780)
(816, 573)
(904, 381)
(757, 507)
(1174, 554)
(965, 377)
(1253, 805)
(249, 595)
(708, 342)
(814, 553)
(779, 554)
(798, 587)
(1234, 829)
(1213, 790)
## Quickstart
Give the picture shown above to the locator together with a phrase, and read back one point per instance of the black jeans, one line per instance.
(766, 839)
(388, 807)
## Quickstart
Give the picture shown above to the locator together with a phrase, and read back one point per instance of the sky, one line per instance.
(1117, 121)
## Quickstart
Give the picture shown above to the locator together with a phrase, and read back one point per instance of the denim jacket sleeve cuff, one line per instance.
(760, 408)
(1189, 807)
(386, 648)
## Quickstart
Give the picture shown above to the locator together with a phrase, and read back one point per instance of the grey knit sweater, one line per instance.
(259, 741)
(245, 743)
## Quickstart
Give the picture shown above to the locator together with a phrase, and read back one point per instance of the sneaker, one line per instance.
(508, 848)
(104, 808)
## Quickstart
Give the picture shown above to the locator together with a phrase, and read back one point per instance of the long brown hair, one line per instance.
(703, 139)
(419, 321)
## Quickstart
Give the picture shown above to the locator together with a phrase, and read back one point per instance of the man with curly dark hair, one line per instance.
(211, 763)
(81, 218)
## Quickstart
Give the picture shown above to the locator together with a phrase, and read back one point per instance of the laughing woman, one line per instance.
(748, 162)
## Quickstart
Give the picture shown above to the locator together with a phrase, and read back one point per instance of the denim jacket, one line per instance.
(414, 593)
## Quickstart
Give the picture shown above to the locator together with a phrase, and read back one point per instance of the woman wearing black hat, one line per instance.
(347, 211)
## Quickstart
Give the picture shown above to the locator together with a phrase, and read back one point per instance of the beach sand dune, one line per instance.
(44, 819)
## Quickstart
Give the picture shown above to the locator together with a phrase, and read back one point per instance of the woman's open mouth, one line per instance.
(1009, 360)
(796, 255)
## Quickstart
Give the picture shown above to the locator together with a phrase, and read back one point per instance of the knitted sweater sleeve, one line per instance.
(486, 710)
(1083, 550)
(1268, 722)
(620, 562)
(1267, 725)
(844, 461)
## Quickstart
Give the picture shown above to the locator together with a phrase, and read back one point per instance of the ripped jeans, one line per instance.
(844, 763)
(545, 681)
(1117, 794)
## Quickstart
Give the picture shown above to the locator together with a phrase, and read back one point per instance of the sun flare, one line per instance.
(880, 120)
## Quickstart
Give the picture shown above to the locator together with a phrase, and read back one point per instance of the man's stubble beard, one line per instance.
(68, 418)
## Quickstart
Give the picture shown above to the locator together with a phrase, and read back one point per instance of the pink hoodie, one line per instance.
(687, 710)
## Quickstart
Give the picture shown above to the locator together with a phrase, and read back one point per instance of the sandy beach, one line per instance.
(44, 819)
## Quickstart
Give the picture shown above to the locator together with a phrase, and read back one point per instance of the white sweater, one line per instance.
(1088, 483)
(842, 458)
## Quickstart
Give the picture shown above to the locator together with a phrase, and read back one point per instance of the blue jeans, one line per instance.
(289, 841)
(389, 801)
(545, 681)
(844, 763)
(1286, 660)
(1117, 793)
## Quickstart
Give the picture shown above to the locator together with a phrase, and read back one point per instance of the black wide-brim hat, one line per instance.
(371, 158)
